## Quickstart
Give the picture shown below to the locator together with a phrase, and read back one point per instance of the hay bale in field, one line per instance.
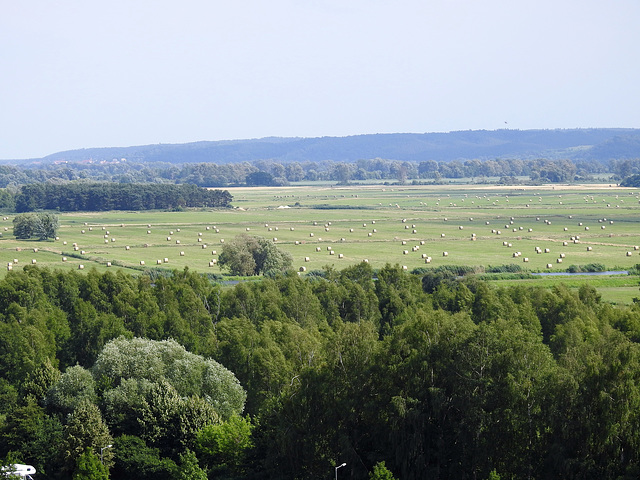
(549, 265)
(629, 254)
(303, 269)
(158, 262)
(558, 260)
(141, 262)
(445, 254)
(589, 249)
(547, 250)
(307, 259)
(405, 252)
(182, 254)
(427, 260)
(525, 259)
(340, 255)
(318, 249)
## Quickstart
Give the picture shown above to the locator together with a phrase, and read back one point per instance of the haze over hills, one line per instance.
(600, 144)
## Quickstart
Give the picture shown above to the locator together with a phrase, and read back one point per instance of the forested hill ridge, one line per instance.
(601, 144)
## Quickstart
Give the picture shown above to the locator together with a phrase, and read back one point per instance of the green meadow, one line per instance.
(545, 228)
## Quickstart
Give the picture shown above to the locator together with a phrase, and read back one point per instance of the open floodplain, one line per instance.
(541, 228)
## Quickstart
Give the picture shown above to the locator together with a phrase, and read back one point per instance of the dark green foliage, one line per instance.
(134, 459)
(590, 267)
(76, 196)
(260, 179)
(632, 181)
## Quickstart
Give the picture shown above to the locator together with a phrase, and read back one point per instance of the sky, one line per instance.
(82, 73)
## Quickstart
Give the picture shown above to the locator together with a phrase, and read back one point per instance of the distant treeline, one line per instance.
(271, 172)
(77, 196)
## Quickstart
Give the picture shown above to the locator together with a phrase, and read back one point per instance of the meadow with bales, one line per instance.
(538, 228)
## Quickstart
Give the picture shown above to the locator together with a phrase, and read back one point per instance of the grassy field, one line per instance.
(339, 226)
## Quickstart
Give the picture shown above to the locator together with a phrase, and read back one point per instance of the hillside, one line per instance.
(577, 144)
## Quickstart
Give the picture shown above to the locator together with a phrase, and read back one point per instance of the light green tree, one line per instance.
(381, 472)
(89, 467)
(225, 444)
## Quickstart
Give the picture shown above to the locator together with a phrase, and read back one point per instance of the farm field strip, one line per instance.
(474, 225)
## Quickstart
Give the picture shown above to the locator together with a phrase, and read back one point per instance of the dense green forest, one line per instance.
(81, 196)
(171, 376)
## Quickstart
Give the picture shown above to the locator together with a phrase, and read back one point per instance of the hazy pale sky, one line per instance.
(82, 73)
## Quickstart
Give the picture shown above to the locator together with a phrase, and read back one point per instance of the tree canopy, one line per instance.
(249, 255)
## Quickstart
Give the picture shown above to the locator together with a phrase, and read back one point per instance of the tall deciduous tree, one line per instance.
(249, 255)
